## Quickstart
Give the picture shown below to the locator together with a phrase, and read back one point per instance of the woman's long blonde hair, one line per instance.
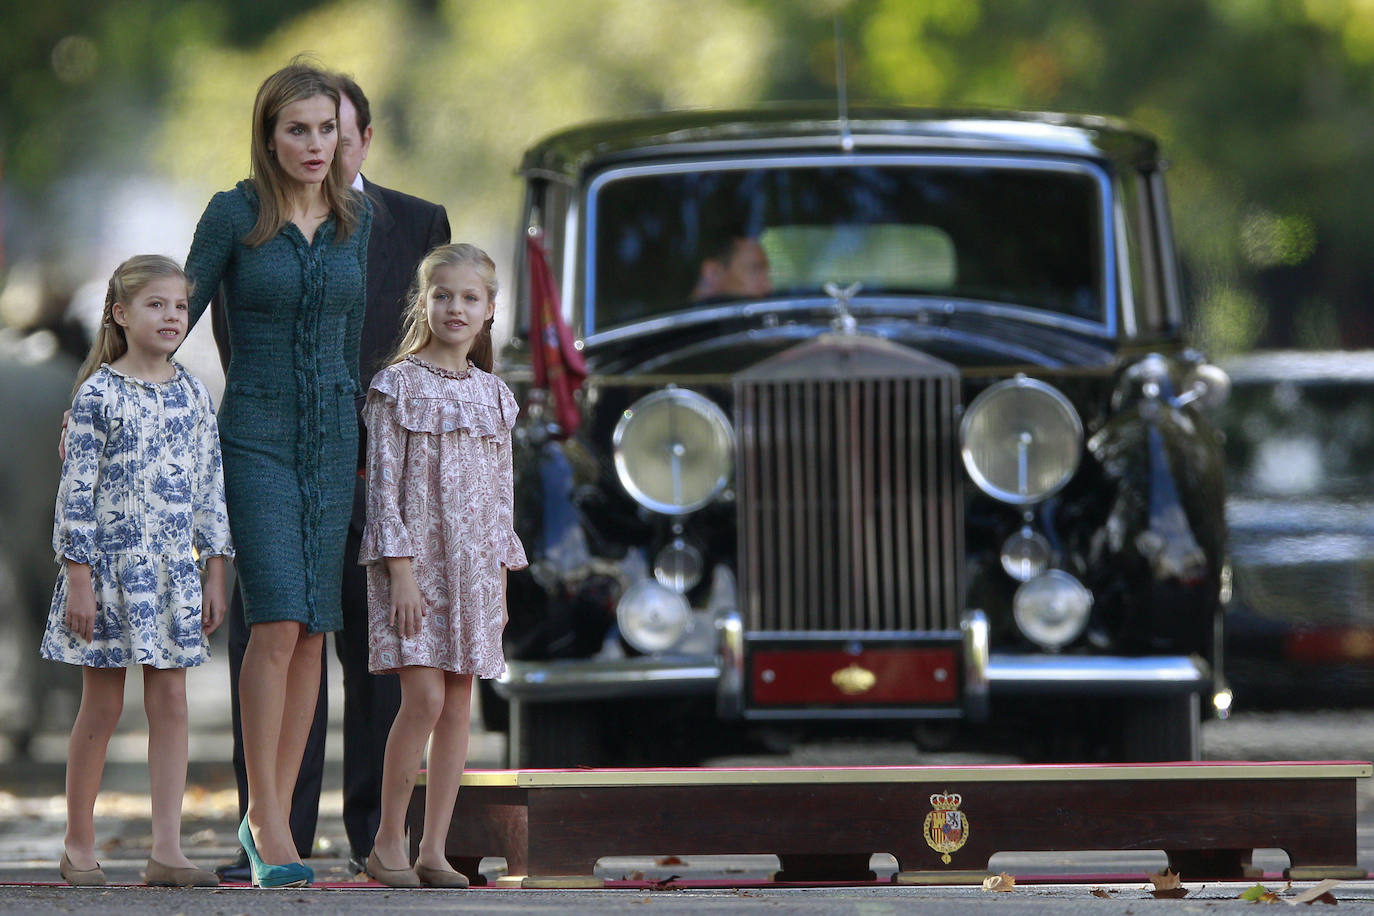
(415, 334)
(296, 81)
(127, 282)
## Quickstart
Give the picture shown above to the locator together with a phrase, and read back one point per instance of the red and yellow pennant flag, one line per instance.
(558, 365)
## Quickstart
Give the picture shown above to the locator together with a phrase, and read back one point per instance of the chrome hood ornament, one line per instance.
(843, 322)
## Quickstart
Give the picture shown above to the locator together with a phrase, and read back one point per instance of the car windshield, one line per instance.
(1019, 235)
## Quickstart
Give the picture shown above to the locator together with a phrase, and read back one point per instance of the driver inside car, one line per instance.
(734, 266)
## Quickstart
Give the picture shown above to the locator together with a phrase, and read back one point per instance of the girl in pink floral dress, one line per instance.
(438, 542)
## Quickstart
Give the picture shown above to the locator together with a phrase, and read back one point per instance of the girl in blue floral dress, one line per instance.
(140, 504)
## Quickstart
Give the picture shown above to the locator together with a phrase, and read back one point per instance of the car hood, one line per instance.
(970, 342)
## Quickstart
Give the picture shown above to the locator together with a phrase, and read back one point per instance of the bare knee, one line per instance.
(164, 694)
(102, 701)
(274, 643)
(457, 700)
(422, 697)
(98, 717)
(308, 647)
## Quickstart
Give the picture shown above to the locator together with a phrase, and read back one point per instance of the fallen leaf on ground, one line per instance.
(1259, 894)
(206, 837)
(669, 860)
(1167, 885)
(1317, 893)
(1002, 883)
(1099, 892)
(665, 884)
(635, 875)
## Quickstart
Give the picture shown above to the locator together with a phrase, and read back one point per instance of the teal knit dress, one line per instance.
(287, 423)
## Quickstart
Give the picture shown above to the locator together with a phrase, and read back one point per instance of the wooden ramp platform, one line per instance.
(941, 823)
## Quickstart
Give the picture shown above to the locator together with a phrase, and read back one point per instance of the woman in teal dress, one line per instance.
(289, 246)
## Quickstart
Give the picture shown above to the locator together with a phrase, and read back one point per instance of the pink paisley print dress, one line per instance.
(439, 490)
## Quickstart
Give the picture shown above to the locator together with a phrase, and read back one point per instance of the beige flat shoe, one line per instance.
(158, 875)
(80, 877)
(440, 877)
(391, 877)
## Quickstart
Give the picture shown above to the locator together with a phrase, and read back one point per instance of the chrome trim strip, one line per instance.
(833, 775)
(1123, 257)
(976, 641)
(730, 689)
(865, 713)
(830, 558)
(571, 240)
(863, 637)
(1107, 282)
(813, 397)
(1057, 674)
(908, 579)
(919, 307)
(589, 680)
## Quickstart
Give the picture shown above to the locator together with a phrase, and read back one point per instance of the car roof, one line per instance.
(818, 127)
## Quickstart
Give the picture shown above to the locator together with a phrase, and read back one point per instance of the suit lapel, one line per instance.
(381, 255)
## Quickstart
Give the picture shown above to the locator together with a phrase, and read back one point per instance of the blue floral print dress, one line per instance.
(141, 486)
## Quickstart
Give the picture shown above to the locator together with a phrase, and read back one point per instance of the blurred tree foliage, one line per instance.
(1264, 106)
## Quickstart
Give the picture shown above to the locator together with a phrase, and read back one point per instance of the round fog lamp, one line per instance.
(652, 617)
(678, 566)
(1025, 555)
(1052, 609)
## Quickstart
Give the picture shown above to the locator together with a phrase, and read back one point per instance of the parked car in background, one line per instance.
(1300, 455)
(889, 428)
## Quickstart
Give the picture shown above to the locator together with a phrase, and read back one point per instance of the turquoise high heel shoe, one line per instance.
(293, 874)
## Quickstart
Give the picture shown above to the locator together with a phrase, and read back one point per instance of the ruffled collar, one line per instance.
(440, 370)
(423, 398)
(177, 372)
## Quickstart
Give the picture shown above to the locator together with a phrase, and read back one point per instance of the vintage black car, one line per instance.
(888, 428)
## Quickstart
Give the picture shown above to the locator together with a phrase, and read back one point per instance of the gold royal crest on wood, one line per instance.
(946, 829)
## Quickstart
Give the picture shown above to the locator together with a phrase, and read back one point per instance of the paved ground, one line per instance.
(31, 820)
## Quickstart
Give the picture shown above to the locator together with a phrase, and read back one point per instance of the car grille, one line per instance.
(849, 501)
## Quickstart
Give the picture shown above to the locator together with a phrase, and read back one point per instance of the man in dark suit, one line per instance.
(404, 229)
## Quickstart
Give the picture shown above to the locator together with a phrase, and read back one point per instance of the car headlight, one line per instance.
(1052, 609)
(1022, 440)
(674, 450)
(652, 617)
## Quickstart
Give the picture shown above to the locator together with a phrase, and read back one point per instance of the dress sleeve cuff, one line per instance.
(387, 538)
(75, 546)
(203, 554)
(512, 552)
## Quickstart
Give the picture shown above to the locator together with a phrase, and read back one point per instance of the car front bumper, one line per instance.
(1040, 675)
